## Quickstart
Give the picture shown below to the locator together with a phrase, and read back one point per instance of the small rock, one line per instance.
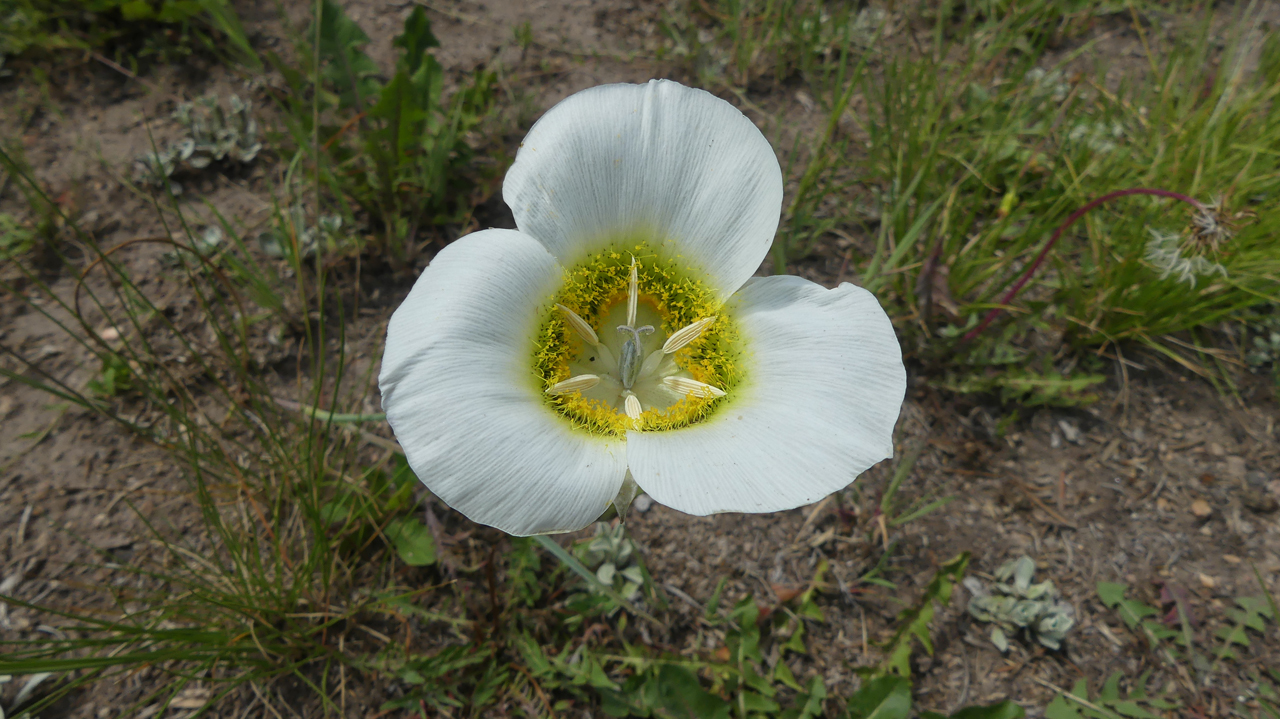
(1231, 558)
(1258, 501)
(1070, 431)
(1216, 449)
(1254, 478)
(1207, 581)
(642, 503)
(1201, 508)
(1235, 468)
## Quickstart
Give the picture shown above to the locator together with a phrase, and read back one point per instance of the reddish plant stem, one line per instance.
(1026, 276)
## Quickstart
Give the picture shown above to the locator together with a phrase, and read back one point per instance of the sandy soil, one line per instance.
(1115, 492)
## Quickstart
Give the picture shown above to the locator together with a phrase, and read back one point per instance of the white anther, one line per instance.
(684, 385)
(633, 294)
(579, 325)
(686, 335)
(632, 406)
(574, 384)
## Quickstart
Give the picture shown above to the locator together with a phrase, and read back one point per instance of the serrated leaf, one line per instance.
(416, 39)
(348, 68)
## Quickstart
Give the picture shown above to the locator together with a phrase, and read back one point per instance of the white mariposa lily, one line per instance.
(618, 338)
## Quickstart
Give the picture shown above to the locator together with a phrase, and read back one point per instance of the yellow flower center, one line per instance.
(634, 341)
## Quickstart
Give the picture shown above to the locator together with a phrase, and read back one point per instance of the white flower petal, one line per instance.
(617, 160)
(824, 384)
(459, 392)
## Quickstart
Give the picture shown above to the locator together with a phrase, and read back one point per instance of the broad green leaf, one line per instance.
(682, 695)
(412, 541)
(1062, 708)
(887, 697)
(1003, 710)
(178, 10)
(813, 700)
(757, 703)
(137, 10)
(1111, 593)
(782, 673)
(1111, 688)
(1131, 709)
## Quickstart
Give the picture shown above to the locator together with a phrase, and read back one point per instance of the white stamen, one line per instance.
(574, 384)
(684, 385)
(633, 294)
(686, 335)
(632, 405)
(579, 325)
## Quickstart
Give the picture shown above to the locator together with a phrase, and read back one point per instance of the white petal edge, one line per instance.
(459, 392)
(680, 163)
(824, 387)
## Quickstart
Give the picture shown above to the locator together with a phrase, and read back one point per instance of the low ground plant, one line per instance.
(318, 556)
(393, 154)
(129, 34)
(946, 171)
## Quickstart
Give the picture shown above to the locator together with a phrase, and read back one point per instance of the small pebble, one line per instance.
(642, 503)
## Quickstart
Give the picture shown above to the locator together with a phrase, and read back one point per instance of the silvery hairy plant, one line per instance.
(1020, 606)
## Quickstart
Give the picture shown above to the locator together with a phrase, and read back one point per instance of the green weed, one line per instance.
(1254, 614)
(395, 152)
(971, 151)
(1109, 703)
(129, 32)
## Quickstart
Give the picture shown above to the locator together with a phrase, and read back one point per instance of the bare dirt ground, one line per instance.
(1163, 483)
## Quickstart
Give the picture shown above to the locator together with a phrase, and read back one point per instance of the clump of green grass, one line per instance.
(126, 33)
(741, 44)
(971, 151)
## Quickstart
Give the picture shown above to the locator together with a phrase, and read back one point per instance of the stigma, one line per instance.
(632, 372)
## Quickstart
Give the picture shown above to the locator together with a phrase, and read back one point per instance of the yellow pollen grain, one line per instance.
(596, 285)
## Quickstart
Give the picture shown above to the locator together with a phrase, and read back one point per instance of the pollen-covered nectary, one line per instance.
(635, 341)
